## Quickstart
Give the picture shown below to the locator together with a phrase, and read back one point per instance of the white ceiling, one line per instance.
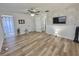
(21, 7)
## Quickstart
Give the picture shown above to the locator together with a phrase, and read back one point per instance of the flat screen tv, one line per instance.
(59, 20)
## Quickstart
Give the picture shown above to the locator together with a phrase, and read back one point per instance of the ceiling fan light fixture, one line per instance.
(32, 14)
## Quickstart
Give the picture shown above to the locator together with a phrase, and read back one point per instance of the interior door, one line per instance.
(43, 22)
(8, 26)
(38, 23)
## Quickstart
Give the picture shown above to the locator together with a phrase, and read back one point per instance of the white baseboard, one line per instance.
(61, 36)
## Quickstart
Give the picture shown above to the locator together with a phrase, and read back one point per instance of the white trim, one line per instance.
(7, 15)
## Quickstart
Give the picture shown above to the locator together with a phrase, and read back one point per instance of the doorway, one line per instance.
(8, 26)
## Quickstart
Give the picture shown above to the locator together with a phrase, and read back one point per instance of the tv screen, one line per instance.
(59, 20)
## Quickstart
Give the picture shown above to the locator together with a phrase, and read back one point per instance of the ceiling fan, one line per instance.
(32, 11)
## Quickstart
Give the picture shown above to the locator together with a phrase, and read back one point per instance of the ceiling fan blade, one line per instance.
(38, 11)
(47, 11)
(30, 11)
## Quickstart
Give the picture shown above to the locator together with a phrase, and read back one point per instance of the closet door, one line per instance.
(38, 23)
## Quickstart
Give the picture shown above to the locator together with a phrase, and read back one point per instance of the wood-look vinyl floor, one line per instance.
(39, 44)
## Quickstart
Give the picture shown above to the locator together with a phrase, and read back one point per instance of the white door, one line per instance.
(8, 26)
(40, 21)
(43, 22)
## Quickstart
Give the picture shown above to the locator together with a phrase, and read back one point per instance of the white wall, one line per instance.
(65, 30)
(29, 24)
(1, 36)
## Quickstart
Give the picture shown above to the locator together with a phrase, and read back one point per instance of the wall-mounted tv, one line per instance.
(59, 20)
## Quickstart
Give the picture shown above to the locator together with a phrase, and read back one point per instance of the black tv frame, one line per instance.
(56, 20)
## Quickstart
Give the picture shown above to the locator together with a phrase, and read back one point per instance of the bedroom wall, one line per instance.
(29, 23)
(64, 30)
